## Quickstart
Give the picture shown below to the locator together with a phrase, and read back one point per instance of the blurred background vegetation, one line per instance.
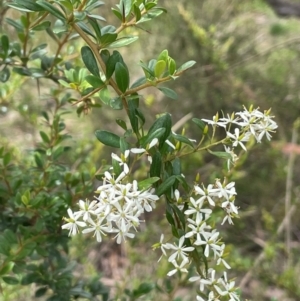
(246, 54)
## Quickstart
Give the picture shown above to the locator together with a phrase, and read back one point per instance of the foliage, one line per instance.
(39, 189)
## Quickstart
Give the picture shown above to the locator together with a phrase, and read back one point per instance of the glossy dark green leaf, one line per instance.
(186, 66)
(168, 183)
(125, 6)
(183, 139)
(137, 12)
(146, 184)
(86, 29)
(176, 166)
(4, 74)
(10, 280)
(121, 123)
(122, 76)
(5, 44)
(169, 92)
(124, 146)
(48, 7)
(143, 289)
(94, 81)
(111, 64)
(108, 38)
(200, 123)
(108, 138)
(96, 27)
(124, 41)
(42, 26)
(156, 134)
(117, 13)
(156, 165)
(105, 54)
(89, 60)
(132, 106)
(223, 155)
(180, 214)
(40, 292)
(163, 121)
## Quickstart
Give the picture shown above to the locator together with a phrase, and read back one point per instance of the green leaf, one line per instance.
(159, 68)
(124, 41)
(223, 155)
(42, 26)
(139, 82)
(122, 124)
(146, 184)
(137, 12)
(89, 60)
(10, 280)
(163, 56)
(201, 124)
(186, 66)
(124, 146)
(117, 13)
(6, 268)
(6, 159)
(94, 81)
(180, 214)
(163, 121)
(51, 9)
(165, 185)
(126, 4)
(40, 292)
(171, 66)
(155, 168)
(108, 138)
(108, 38)
(5, 44)
(96, 27)
(111, 63)
(116, 103)
(132, 106)
(104, 95)
(183, 139)
(176, 167)
(143, 289)
(44, 137)
(4, 74)
(169, 92)
(156, 134)
(122, 76)
(19, 27)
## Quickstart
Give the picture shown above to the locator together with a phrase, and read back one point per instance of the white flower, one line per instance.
(86, 209)
(196, 207)
(210, 241)
(206, 194)
(180, 250)
(216, 122)
(97, 228)
(162, 247)
(180, 267)
(122, 160)
(73, 223)
(226, 192)
(238, 139)
(234, 158)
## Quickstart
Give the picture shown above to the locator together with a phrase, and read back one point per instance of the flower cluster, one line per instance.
(200, 234)
(248, 123)
(116, 209)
